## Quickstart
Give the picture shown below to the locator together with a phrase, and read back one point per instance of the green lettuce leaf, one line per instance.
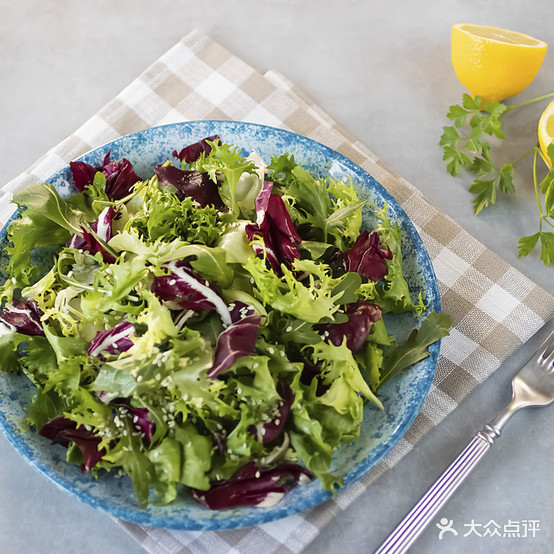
(433, 328)
(226, 161)
(312, 299)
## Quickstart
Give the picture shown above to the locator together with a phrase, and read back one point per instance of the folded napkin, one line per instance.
(495, 309)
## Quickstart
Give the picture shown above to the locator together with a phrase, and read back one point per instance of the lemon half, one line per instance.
(495, 63)
(546, 130)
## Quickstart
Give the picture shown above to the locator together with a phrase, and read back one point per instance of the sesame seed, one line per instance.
(257, 474)
(288, 329)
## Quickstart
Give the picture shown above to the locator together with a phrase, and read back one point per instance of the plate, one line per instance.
(402, 396)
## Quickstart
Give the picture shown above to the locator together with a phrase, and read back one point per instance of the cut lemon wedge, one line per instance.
(495, 63)
(546, 130)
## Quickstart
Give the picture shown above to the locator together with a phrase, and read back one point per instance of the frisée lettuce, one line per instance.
(216, 328)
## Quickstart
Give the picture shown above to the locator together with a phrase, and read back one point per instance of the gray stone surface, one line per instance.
(383, 71)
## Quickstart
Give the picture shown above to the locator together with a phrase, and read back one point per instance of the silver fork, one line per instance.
(532, 386)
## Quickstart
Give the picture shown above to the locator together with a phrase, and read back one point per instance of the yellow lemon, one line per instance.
(495, 63)
(546, 129)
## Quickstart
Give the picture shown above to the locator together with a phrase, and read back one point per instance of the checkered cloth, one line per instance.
(495, 308)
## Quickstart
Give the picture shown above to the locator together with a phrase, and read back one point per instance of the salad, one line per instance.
(216, 328)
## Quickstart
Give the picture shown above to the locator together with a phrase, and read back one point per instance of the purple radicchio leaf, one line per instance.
(141, 421)
(261, 202)
(92, 245)
(239, 310)
(182, 288)
(103, 228)
(197, 185)
(267, 432)
(83, 174)
(24, 316)
(120, 176)
(112, 341)
(361, 316)
(192, 152)
(311, 371)
(278, 234)
(239, 339)
(220, 440)
(253, 486)
(62, 430)
(367, 257)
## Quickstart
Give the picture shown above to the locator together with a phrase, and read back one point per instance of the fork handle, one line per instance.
(436, 497)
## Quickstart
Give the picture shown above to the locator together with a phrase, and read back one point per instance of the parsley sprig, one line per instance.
(466, 146)
(546, 216)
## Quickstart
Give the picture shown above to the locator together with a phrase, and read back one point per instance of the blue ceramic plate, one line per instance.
(402, 397)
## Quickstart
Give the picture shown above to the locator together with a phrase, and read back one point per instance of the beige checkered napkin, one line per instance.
(495, 308)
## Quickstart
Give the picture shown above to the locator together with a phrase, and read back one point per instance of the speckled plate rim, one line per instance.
(201, 129)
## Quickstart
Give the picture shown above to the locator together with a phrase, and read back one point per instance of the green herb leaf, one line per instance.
(455, 160)
(527, 244)
(481, 166)
(485, 192)
(458, 115)
(506, 182)
(547, 248)
(450, 137)
(470, 103)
